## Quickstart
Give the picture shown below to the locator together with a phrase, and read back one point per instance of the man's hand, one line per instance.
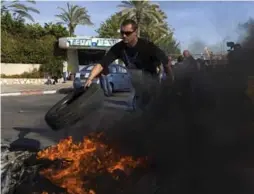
(97, 69)
(88, 82)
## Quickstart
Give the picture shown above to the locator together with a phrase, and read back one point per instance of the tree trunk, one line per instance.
(138, 23)
(71, 31)
(138, 30)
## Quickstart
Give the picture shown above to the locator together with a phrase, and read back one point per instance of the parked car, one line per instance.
(118, 79)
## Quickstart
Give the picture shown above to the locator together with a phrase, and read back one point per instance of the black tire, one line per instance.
(74, 107)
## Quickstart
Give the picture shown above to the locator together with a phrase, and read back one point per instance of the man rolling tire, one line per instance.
(74, 107)
(141, 57)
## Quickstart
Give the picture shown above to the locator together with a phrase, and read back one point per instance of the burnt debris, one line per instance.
(20, 172)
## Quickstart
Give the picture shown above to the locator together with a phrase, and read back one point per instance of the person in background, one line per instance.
(48, 82)
(55, 79)
(189, 63)
(171, 66)
(180, 59)
(170, 61)
(202, 56)
(177, 66)
(65, 71)
(160, 72)
(187, 55)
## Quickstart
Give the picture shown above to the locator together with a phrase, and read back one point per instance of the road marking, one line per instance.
(50, 92)
(11, 94)
(26, 93)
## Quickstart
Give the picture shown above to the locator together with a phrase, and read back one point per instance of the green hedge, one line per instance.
(24, 50)
(31, 44)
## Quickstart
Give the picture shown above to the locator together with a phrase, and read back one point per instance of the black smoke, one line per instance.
(196, 47)
(196, 144)
(248, 46)
(204, 146)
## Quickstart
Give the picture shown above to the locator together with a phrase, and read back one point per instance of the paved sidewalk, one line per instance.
(27, 89)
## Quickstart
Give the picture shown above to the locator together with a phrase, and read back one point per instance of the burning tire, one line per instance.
(74, 107)
(20, 172)
(13, 170)
(29, 171)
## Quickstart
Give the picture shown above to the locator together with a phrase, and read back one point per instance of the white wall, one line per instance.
(17, 68)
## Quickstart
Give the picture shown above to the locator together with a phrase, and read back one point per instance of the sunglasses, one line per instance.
(126, 33)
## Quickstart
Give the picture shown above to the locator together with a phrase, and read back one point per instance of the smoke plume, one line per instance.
(197, 47)
(203, 147)
(207, 148)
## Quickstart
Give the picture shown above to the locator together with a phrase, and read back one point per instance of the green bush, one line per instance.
(32, 44)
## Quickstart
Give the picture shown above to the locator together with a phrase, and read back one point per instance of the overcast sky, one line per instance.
(205, 21)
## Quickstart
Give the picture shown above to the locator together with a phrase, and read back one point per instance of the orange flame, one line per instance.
(90, 157)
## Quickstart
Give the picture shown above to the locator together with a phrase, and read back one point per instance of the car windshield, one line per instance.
(89, 68)
(121, 69)
(112, 69)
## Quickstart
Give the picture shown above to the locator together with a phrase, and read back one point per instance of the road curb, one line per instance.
(28, 93)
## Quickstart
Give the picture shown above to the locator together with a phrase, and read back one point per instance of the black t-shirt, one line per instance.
(144, 55)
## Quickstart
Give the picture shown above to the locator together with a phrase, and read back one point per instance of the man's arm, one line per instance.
(161, 56)
(110, 56)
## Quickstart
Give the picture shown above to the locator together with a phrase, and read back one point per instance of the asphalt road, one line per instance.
(22, 119)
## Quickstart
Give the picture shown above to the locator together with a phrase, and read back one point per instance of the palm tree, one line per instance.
(140, 11)
(110, 27)
(168, 44)
(18, 10)
(72, 16)
(153, 30)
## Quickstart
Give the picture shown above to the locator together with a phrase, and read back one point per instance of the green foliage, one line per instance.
(168, 44)
(31, 43)
(141, 11)
(72, 16)
(152, 24)
(19, 11)
(55, 30)
(8, 24)
(110, 28)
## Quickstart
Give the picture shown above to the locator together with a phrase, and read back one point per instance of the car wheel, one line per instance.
(74, 107)
(134, 103)
(110, 89)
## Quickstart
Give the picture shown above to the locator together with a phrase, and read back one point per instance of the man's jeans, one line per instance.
(144, 87)
(105, 85)
(64, 76)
